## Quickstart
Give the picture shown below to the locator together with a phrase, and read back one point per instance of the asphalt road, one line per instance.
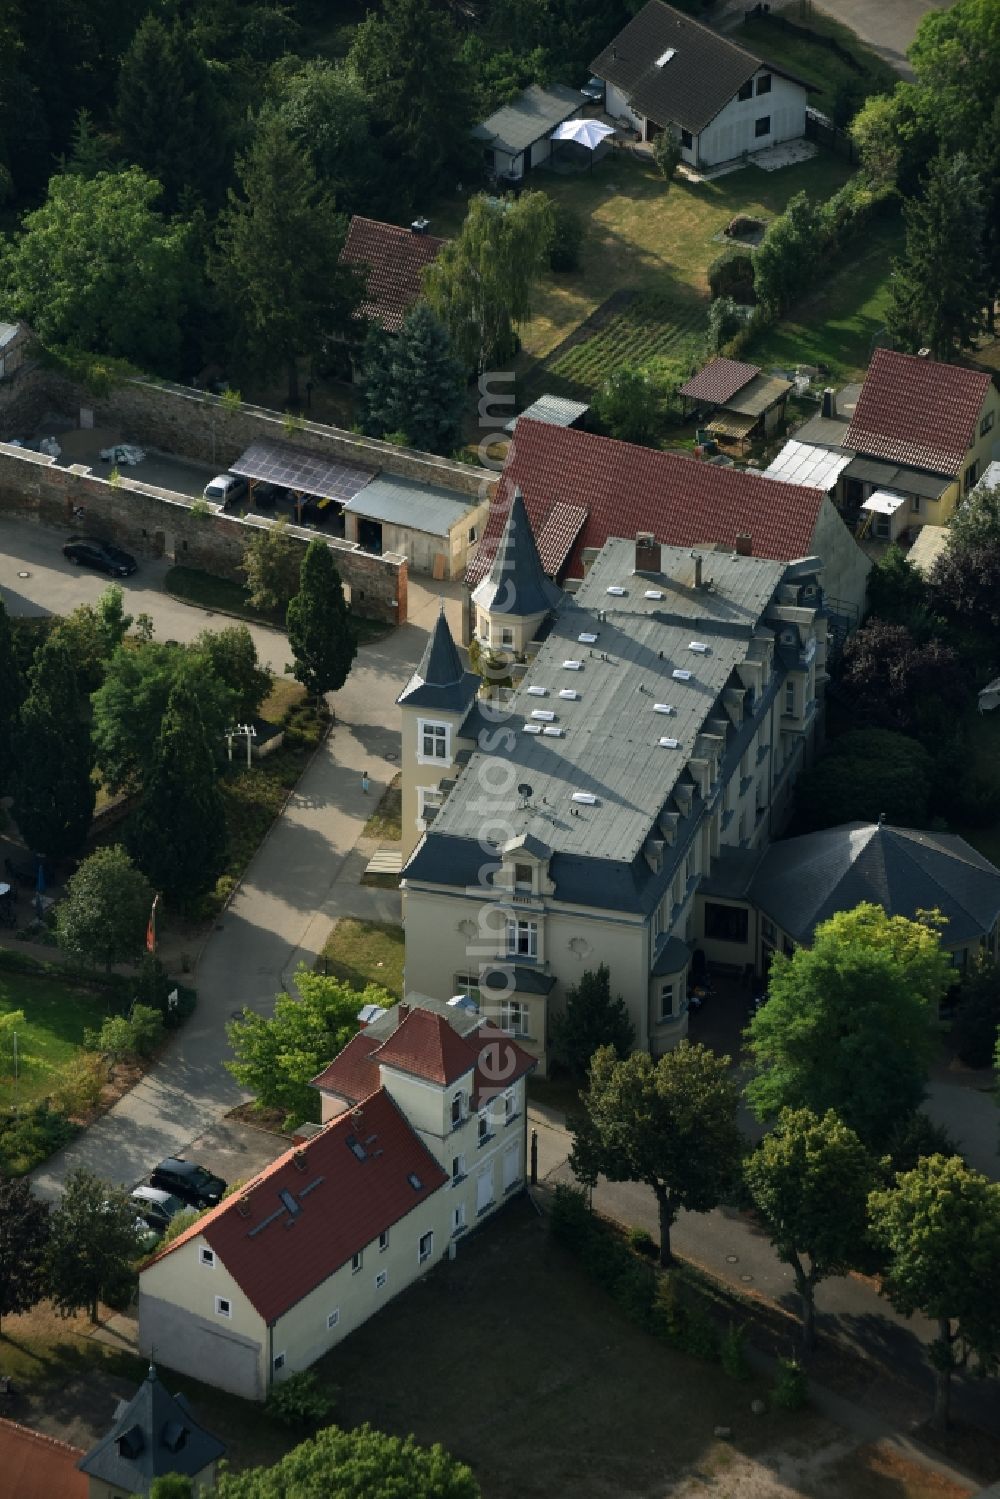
(888, 26)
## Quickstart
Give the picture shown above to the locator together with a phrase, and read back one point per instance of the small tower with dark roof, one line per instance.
(154, 1433)
(435, 702)
(515, 596)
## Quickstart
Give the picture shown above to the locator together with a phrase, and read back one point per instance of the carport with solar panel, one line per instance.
(318, 486)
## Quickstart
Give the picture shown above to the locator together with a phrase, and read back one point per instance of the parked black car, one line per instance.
(188, 1181)
(86, 551)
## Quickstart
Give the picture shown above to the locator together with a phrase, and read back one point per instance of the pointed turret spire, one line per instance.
(440, 681)
(516, 583)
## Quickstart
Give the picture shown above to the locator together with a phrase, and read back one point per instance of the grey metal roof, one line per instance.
(670, 957)
(894, 476)
(558, 411)
(405, 502)
(155, 1433)
(803, 881)
(516, 583)
(731, 873)
(605, 742)
(804, 463)
(533, 114)
(526, 980)
(440, 681)
(825, 432)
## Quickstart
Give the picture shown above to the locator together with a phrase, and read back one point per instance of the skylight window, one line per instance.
(669, 743)
(569, 693)
(681, 675)
(538, 691)
(415, 1182)
(587, 798)
(653, 593)
(618, 592)
(699, 646)
(532, 728)
(664, 57)
(553, 732)
(586, 638)
(545, 715)
(572, 665)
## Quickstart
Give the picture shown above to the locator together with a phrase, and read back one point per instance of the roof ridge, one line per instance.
(703, 26)
(904, 850)
(40, 1436)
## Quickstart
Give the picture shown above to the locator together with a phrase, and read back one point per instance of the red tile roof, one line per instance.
(35, 1466)
(557, 536)
(395, 258)
(917, 412)
(626, 489)
(277, 1257)
(719, 381)
(352, 1074)
(425, 1044)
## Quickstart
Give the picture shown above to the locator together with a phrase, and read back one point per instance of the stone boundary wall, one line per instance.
(156, 522)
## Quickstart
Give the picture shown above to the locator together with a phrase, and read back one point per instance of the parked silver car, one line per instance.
(225, 489)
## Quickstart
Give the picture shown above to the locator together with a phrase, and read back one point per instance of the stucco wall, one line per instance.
(845, 565)
(151, 521)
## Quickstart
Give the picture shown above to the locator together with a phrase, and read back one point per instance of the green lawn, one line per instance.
(192, 586)
(839, 325)
(55, 1017)
(365, 952)
(386, 821)
(829, 74)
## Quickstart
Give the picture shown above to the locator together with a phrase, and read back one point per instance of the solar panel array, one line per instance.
(299, 470)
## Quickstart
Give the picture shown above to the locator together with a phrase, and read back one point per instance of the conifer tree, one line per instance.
(12, 691)
(53, 790)
(430, 383)
(320, 630)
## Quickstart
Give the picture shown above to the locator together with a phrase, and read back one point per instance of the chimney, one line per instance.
(829, 408)
(696, 556)
(403, 1011)
(647, 553)
(420, 226)
(744, 545)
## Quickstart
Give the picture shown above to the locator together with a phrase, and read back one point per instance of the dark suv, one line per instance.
(85, 551)
(188, 1181)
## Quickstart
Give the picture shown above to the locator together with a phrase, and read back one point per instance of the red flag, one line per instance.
(151, 928)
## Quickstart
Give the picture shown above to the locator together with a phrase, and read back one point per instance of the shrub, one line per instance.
(300, 1400)
(730, 274)
(571, 1218)
(667, 155)
(567, 237)
(642, 1242)
(626, 405)
(978, 1015)
(790, 1391)
(134, 1035)
(724, 319)
(180, 1223)
(32, 1136)
(915, 1136)
(80, 1084)
(680, 1318)
(635, 1289)
(732, 1351)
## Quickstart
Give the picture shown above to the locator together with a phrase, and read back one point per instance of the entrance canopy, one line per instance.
(881, 502)
(303, 472)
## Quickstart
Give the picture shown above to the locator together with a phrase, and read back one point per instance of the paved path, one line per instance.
(727, 1245)
(302, 878)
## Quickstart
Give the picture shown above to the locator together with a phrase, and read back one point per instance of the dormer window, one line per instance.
(522, 877)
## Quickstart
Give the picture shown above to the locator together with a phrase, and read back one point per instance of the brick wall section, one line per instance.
(143, 517)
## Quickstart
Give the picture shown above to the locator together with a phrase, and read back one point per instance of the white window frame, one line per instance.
(488, 1202)
(223, 1307)
(427, 796)
(457, 1108)
(278, 1361)
(423, 1255)
(509, 1107)
(357, 1260)
(484, 1131)
(381, 1279)
(435, 732)
(518, 930)
(458, 1171)
(208, 1258)
(332, 1319)
(383, 1241)
(758, 134)
(458, 1218)
(514, 1017)
(468, 983)
(507, 636)
(521, 884)
(665, 999)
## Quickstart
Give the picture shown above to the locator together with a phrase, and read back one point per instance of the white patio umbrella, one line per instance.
(587, 133)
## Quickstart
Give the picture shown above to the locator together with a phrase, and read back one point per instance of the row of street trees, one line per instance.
(851, 1175)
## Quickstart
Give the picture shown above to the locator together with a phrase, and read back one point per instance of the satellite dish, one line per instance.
(524, 790)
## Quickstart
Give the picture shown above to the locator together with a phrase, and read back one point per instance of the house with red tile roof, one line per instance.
(394, 259)
(579, 490)
(916, 436)
(742, 402)
(35, 1466)
(425, 1139)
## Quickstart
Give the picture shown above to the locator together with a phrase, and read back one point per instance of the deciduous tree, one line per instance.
(966, 575)
(849, 1022)
(481, 284)
(940, 1225)
(940, 288)
(670, 1124)
(327, 111)
(271, 562)
(590, 1020)
(277, 260)
(809, 1179)
(897, 684)
(277, 1056)
(104, 913)
(178, 834)
(98, 268)
(232, 656)
(53, 789)
(864, 775)
(627, 406)
(320, 630)
(92, 1243)
(784, 261)
(24, 1237)
(337, 1464)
